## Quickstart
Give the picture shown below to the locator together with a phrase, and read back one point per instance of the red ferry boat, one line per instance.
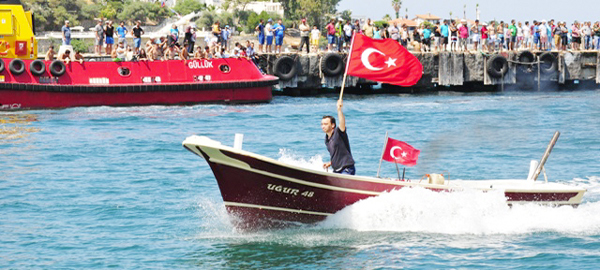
(30, 83)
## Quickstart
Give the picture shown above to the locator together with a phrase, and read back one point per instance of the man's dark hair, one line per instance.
(331, 119)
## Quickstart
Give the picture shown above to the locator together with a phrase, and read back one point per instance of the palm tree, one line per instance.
(396, 4)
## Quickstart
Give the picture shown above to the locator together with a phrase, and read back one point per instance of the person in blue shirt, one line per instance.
(66, 33)
(121, 33)
(225, 35)
(173, 36)
(261, 35)
(444, 31)
(426, 39)
(279, 34)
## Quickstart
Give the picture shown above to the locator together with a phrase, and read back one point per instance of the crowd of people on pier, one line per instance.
(460, 35)
(442, 35)
(173, 46)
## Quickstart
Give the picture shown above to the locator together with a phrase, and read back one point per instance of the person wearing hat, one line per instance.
(269, 35)
(99, 32)
(304, 33)
(339, 33)
(109, 31)
(484, 36)
(66, 34)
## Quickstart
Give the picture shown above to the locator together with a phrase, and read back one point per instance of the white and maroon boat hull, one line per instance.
(260, 192)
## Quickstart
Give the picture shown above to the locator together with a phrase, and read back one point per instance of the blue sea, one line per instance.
(106, 187)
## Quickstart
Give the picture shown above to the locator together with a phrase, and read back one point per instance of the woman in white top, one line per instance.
(526, 35)
(519, 36)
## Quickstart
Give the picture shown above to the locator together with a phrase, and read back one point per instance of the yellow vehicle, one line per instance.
(17, 35)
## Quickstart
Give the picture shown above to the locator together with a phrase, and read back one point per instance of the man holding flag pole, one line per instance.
(379, 60)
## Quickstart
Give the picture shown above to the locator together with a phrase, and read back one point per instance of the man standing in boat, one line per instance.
(337, 143)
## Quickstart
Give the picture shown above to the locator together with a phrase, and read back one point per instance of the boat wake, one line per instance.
(288, 156)
(467, 212)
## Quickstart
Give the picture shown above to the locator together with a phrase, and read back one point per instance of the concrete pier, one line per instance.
(456, 71)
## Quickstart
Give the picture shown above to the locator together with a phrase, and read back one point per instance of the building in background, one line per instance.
(426, 17)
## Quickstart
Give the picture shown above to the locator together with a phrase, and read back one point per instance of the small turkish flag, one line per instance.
(383, 60)
(400, 152)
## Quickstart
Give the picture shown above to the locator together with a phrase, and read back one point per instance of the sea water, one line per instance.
(104, 187)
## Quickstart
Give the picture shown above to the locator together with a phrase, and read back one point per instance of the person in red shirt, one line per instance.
(484, 37)
(331, 38)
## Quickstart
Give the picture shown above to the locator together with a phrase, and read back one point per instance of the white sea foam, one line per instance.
(468, 212)
(290, 157)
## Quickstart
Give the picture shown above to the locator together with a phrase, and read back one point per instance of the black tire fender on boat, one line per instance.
(37, 67)
(524, 58)
(57, 68)
(2, 65)
(16, 66)
(332, 65)
(285, 68)
(549, 63)
(497, 66)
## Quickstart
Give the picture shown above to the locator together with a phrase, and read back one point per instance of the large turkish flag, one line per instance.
(383, 60)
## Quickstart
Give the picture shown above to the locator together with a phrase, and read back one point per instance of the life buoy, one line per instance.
(497, 66)
(37, 67)
(332, 64)
(57, 68)
(525, 58)
(2, 65)
(285, 68)
(16, 66)
(548, 63)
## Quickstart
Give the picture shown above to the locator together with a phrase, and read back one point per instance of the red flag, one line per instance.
(383, 61)
(400, 152)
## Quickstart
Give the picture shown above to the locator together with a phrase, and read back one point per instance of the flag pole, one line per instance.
(398, 170)
(347, 64)
(403, 172)
(382, 152)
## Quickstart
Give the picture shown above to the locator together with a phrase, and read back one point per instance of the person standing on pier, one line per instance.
(513, 35)
(338, 145)
(109, 32)
(304, 33)
(66, 33)
(122, 33)
(260, 28)
(269, 35)
(330, 29)
(99, 32)
(279, 35)
(476, 36)
(484, 37)
(339, 32)
(137, 33)
(464, 35)
(368, 28)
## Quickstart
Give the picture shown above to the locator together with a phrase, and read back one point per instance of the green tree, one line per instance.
(185, 7)
(347, 15)
(387, 18)
(397, 4)
(142, 11)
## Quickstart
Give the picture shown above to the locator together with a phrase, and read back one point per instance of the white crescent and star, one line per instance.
(364, 58)
(392, 152)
